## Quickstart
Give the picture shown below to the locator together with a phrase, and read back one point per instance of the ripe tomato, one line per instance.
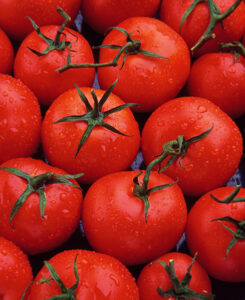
(15, 271)
(154, 276)
(20, 119)
(28, 229)
(107, 13)
(100, 277)
(104, 151)
(147, 81)
(197, 22)
(14, 12)
(211, 238)
(208, 163)
(114, 222)
(6, 53)
(39, 72)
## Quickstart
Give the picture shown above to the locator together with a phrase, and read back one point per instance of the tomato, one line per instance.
(6, 53)
(39, 72)
(107, 13)
(147, 81)
(28, 229)
(14, 12)
(15, 271)
(100, 277)
(153, 276)
(104, 151)
(211, 239)
(207, 163)
(20, 119)
(219, 78)
(197, 22)
(114, 222)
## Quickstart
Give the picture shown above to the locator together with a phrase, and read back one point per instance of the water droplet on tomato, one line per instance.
(4, 252)
(201, 109)
(114, 279)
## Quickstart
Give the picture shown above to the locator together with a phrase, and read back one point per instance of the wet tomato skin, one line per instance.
(100, 277)
(147, 81)
(114, 222)
(15, 271)
(154, 275)
(211, 239)
(219, 78)
(32, 233)
(39, 73)
(208, 163)
(104, 151)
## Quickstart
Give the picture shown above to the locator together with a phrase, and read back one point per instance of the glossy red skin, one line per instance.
(39, 73)
(20, 119)
(6, 53)
(146, 81)
(217, 77)
(104, 152)
(100, 277)
(154, 275)
(15, 271)
(107, 13)
(14, 12)
(29, 231)
(208, 163)
(211, 239)
(197, 22)
(114, 222)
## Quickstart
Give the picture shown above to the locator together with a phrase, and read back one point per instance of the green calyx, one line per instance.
(180, 289)
(95, 116)
(36, 184)
(240, 225)
(56, 44)
(132, 47)
(236, 48)
(215, 17)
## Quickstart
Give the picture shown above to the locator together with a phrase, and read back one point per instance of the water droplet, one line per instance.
(114, 279)
(201, 109)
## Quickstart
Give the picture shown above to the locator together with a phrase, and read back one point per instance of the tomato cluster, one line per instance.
(121, 154)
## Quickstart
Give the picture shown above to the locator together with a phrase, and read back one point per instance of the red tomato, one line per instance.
(107, 13)
(39, 72)
(6, 53)
(211, 239)
(100, 277)
(14, 12)
(15, 271)
(20, 119)
(208, 163)
(148, 81)
(104, 151)
(28, 229)
(114, 222)
(154, 275)
(197, 22)
(217, 77)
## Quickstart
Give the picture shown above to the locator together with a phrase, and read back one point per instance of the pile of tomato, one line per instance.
(121, 149)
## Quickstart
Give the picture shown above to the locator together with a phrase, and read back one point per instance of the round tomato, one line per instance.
(20, 119)
(198, 20)
(15, 271)
(13, 17)
(154, 276)
(107, 13)
(104, 151)
(219, 78)
(114, 222)
(6, 53)
(147, 81)
(26, 227)
(205, 164)
(39, 72)
(211, 239)
(98, 277)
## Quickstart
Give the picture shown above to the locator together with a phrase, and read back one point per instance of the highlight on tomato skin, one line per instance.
(99, 276)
